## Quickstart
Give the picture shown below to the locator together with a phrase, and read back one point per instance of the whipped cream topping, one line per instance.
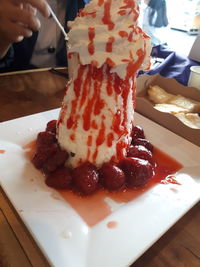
(106, 31)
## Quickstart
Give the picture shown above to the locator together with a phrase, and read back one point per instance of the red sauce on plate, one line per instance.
(112, 224)
(93, 208)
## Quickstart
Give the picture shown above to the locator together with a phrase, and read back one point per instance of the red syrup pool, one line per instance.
(112, 224)
(93, 208)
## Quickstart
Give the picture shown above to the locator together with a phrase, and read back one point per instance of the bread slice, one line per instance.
(186, 103)
(192, 120)
(170, 108)
(158, 95)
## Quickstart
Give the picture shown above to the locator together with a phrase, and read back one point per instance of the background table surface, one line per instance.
(26, 93)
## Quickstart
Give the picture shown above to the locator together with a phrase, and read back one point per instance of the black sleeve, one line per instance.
(19, 55)
(6, 62)
(73, 7)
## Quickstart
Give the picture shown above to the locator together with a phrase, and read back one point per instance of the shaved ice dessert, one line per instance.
(106, 49)
(94, 141)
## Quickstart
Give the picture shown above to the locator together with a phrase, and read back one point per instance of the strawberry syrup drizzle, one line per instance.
(120, 150)
(72, 137)
(82, 13)
(131, 35)
(100, 2)
(89, 144)
(110, 62)
(93, 104)
(86, 86)
(99, 103)
(123, 34)
(101, 136)
(117, 84)
(116, 123)
(132, 66)
(107, 16)
(109, 84)
(91, 35)
(88, 111)
(89, 141)
(62, 115)
(110, 139)
(88, 93)
(72, 118)
(120, 119)
(94, 125)
(130, 4)
(98, 106)
(134, 94)
(94, 209)
(109, 44)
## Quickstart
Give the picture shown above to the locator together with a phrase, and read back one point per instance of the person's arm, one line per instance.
(4, 47)
(18, 20)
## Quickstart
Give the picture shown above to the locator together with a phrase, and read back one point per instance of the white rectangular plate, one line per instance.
(64, 238)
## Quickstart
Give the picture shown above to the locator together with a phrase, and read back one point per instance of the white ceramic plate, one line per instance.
(62, 235)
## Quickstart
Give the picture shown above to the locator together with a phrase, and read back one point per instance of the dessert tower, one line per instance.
(106, 49)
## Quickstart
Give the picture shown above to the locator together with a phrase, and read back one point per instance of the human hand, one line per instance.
(18, 20)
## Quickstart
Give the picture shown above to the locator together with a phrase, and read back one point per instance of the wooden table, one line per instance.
(23, 94)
